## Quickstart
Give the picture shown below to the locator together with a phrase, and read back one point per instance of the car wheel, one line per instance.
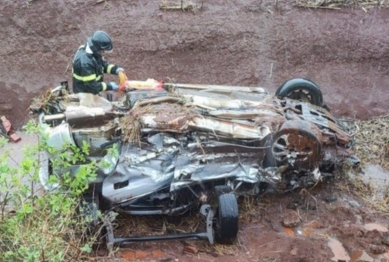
(226, 219)
(297, 143)
(222, 189)
(301, 89)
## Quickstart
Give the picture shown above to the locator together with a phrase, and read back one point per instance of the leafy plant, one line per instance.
(36, 225)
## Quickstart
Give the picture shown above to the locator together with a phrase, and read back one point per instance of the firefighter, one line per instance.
(89, 65)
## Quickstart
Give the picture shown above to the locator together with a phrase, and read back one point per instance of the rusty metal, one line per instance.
(322, 118)
(297, 142)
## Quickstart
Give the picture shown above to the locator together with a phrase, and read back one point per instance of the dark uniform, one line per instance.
(89, 66)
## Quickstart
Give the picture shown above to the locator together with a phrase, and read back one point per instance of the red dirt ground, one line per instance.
(243, 42)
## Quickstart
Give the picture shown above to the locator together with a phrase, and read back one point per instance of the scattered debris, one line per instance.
(340, 253)
(7, 130)
(375, 226)
(190, 249)
(289, 231)
(180, 5)
(294, 251)
(291, 219)
(338, 4)
(360, 256)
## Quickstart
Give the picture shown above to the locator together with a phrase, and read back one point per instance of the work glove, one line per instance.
(118, 70)
(114, 86)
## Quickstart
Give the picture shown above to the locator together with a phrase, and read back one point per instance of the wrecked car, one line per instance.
(183, 147)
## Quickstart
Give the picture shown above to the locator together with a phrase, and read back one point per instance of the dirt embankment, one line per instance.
(249, 43)
(345, 51)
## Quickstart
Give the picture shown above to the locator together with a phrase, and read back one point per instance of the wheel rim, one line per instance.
(301, 95)
(297, 143)
(294, 147)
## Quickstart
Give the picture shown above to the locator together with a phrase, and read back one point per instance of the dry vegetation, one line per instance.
(371, 138)
(48, 101)
(372, 141)
(337, 4)
(184, 5)
(180, 5)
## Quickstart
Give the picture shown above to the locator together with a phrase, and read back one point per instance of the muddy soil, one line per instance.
(250, 43)
(247, 43)
(327, 223)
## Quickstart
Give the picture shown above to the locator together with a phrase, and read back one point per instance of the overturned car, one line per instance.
(186, 146)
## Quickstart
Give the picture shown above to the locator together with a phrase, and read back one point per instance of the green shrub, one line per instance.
(36, 225)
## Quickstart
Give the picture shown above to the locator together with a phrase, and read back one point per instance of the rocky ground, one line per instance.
(251, 43)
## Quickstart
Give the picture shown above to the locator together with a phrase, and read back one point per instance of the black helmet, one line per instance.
(100, 40)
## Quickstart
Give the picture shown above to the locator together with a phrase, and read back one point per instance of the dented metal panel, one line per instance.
(176, 149)
(196, 133)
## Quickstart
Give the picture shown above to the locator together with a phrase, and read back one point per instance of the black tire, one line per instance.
(222, 190)
(301, 89)
(227, 219)
(295, 137)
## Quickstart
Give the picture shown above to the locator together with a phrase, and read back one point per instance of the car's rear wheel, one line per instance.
(301, 89)
(297, 143)
(226, 218)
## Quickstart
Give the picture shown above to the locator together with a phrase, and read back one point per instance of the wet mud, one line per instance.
(247, 43)
(237, 43)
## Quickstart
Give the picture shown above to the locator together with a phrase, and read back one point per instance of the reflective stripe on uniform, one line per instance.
(109, 68)
(99, 77)
(104, 86)
(85, 78)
